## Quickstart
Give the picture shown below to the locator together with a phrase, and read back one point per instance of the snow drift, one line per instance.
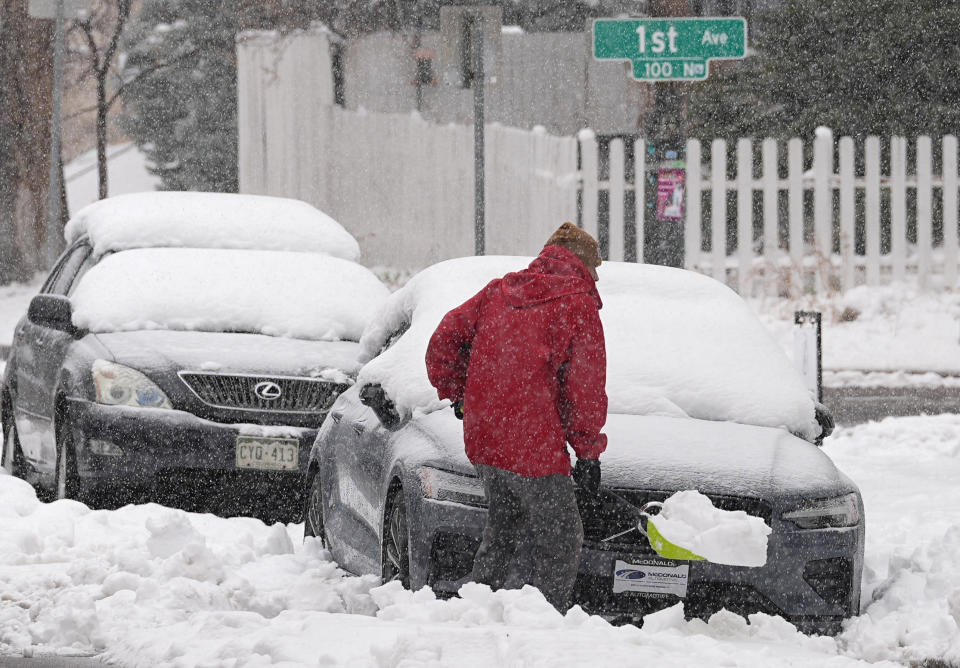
(209, 220)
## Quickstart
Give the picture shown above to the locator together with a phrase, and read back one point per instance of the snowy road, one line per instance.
(151, 586)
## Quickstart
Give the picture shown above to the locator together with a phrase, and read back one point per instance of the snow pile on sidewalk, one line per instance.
(689, 520)
(209, 220)
(87, 580)
(907, 469)
(268, 292)
(889, 328)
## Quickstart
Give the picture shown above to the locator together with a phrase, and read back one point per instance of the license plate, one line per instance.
(271, 454)
(652, 577)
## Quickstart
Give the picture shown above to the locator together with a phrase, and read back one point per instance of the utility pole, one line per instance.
(54, 213)
(664, 129)
(479, 162)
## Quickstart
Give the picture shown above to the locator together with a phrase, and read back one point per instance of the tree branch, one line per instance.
(156, 67)
(87, 28)
(123, 13)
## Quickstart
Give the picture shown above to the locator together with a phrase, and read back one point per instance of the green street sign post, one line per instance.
(670, 49)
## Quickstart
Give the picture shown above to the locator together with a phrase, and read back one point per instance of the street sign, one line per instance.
(670, 49)
(47, 9)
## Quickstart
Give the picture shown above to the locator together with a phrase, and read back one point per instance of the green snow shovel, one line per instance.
(661, 545)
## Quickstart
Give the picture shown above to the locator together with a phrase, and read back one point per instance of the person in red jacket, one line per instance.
(524, 364)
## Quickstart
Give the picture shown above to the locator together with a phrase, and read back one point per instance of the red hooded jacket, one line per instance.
(526, 355)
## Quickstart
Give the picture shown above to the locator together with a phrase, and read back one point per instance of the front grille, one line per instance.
(296, 395)
(614, 513)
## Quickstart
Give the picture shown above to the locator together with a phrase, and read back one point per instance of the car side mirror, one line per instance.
(52, 312)
(825, 420)
(376, 398)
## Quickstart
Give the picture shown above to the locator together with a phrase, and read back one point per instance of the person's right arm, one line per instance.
(583, 404)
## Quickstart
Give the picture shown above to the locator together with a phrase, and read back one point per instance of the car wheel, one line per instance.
(396, 541)
(67, 484)
(12, 454)
(313, 512)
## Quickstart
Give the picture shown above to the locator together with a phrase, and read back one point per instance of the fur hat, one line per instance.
(581, 243)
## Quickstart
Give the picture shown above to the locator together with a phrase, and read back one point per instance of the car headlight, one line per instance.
(119, 385)
(445, 486)
(842, 511)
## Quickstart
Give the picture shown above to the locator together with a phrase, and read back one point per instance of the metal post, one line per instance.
(479, 82)
(53, 217)
(815, 319)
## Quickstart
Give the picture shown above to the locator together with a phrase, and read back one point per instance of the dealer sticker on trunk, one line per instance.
(651, 577)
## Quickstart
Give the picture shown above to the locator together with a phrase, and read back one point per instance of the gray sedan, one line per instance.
(391, 492)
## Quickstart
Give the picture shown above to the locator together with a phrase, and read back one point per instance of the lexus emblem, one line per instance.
(267, 390)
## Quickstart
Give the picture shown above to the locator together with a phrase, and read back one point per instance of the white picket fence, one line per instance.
(819, 249)
(402, 186)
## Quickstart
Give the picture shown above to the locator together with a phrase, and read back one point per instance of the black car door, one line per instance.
(40, 352)
(359, 452)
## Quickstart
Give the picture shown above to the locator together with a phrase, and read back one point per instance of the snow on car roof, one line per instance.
(209, 220)
(296, 295)
(679, 344)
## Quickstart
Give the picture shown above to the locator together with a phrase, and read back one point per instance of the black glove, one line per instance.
(586, 474)
(458, 409)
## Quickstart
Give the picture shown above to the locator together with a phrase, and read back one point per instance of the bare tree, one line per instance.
(102, 29)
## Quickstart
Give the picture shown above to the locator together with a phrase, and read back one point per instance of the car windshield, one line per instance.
(278, 293)
(679, 344)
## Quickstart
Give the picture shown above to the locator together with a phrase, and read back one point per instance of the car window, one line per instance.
(395, 336)
(62, 276)
(88, 262)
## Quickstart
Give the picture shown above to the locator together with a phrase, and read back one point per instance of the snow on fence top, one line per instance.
(679, 344)
(277, 293)
(209, 220)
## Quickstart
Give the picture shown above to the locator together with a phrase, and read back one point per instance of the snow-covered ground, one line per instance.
(151, 586)
(127, 172)
(885, 331)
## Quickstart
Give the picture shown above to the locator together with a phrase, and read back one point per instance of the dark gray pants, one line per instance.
(542, 510)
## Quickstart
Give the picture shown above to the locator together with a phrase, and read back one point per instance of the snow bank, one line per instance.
(209, 220)
(277, 293)
(690, 520)
(907, 470)
(150, 586)
(80, 580)
(678, 344)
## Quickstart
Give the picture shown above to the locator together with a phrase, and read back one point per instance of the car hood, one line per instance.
(648, 452)
(165, 351)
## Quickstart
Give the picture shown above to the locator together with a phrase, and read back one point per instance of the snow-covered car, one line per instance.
(701, 398)
(182, 335)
